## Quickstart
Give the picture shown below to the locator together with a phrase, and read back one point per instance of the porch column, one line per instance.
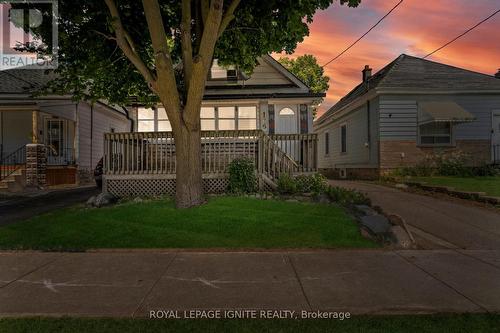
(34, 125)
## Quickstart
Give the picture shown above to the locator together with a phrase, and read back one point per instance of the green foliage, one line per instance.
(307, 69)
(315, 183)
(242, 177)
(456, 164)
(287, 184)
(91, 64)
(347, 197)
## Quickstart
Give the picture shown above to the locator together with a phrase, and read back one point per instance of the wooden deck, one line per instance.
(143, 158)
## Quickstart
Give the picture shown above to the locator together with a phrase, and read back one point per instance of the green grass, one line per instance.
(468, 323)
(489, 185)
(225, 222)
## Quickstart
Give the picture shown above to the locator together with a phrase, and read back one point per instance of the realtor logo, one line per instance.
(20, 45)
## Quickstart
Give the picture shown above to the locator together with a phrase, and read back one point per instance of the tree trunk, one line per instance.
(189, 191)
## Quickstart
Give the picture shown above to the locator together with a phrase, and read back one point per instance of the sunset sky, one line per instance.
(416, 27)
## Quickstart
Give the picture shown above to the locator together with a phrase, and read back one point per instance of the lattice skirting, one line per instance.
(130, 187)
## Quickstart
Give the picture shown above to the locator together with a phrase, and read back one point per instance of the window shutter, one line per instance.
(271, 119)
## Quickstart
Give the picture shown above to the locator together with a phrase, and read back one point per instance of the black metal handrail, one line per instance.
(12, 162)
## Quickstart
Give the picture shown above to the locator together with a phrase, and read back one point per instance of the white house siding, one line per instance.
(91, 140)
(361, 150)
(480, 106)
(398, 119)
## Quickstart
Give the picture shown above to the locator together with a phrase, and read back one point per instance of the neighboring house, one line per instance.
(410, 109)
(266, 116)
(71, 132)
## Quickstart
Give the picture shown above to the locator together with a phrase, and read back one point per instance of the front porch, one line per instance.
(145, 163)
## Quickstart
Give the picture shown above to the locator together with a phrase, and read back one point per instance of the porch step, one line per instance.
(16, 182)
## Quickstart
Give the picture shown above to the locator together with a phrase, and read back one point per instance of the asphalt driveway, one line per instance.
(20, 208)
(463, 226)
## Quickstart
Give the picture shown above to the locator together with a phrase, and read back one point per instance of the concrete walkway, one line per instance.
(19, 208)
(462, 226)
(130, 284)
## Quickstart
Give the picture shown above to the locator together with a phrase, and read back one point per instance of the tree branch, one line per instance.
(126, 45)
(202, 63)
(229, 16)
(186, 41)
(167, 85)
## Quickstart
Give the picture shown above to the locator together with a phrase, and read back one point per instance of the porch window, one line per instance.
(207, 116)
(227, 118)
(435, 134)
(153, 120)
(247, 117)
(343, 138)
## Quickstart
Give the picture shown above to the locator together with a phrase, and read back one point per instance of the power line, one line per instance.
(461, 35)
(366, 33)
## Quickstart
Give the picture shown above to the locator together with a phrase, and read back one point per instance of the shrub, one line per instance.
(347, 197)
(453, 164)
(287, 184)
(242, 177)
(315, 183)
(486, 171)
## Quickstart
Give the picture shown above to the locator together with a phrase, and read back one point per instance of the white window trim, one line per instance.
(437, 145)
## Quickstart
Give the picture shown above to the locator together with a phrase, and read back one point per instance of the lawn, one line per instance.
(225, 222)
(468, 323)
(489, 185)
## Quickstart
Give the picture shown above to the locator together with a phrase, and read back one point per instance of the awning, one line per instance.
(430, 112)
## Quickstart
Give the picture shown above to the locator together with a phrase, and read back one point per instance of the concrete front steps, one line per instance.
(16, 182)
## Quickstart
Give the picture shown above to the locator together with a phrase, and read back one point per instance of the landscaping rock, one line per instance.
(105, 199)
(91, 201)
(138, 200)
(366, 210)
(402, 186)
(401, 237)
(377, 224)
(323, 199)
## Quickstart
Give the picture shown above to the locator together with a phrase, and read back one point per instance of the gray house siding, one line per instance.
(398, 119)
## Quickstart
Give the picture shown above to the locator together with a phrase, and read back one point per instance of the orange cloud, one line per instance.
(415, 27)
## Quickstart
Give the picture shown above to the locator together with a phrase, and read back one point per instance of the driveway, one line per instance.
(133, 283)
(464, 226)
(20, 208)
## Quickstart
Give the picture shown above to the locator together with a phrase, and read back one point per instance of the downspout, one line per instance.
(127, 114)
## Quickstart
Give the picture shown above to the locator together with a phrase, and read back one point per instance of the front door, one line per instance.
(495, 136)
(55, 141)
(286, 119)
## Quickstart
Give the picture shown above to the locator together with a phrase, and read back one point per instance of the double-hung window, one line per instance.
(435, 134)
(343, 138)
(152, 120)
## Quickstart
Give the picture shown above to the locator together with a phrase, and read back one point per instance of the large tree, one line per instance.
(307, 69)
(161, 51)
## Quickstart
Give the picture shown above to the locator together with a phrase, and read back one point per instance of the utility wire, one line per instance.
(366, 33)
(461, 35)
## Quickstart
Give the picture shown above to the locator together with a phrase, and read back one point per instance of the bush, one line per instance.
(242, 177)
(453, 164)
(287, 184)
(347, 197)
(315, 183)
(486, 171)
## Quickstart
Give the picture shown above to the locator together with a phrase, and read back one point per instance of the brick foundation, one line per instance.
(352, 173)
(395, 154)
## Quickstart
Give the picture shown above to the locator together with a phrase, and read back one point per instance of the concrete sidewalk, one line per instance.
(130, 284)
(463, 226)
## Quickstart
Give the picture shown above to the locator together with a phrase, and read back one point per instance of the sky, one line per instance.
(416, 27)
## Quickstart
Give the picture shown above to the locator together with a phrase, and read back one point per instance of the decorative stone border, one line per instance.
(476, 196)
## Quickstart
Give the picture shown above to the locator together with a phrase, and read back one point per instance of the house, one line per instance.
(71, 133)
(266, 116)
(410, 109)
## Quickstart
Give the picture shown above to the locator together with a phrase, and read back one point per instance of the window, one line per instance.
(247, 117)
(327, 143)
(343, 139)
(207, 116)
(436, 133)
(287, 112)
(227, 118)
(153, 120)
